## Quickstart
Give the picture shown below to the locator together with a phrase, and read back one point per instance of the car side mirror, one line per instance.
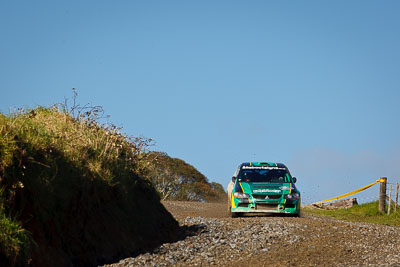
(233, 179)
(294, 180)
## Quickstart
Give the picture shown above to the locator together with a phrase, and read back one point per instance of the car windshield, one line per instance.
(264, 176)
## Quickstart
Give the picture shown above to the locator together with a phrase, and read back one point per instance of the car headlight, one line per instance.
(293, 196)
(286, 188)
(241, 195)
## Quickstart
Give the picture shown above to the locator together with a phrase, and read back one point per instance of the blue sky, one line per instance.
(312, 84)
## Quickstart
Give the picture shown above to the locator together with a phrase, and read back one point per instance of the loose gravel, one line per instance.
(215, 240)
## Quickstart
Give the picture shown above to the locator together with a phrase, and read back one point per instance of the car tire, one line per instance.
(230, 213)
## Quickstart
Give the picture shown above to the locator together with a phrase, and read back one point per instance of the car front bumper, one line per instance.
(289, 207)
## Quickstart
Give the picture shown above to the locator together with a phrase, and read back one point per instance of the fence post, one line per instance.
(390, 198)
(382, 194)
(397, 197)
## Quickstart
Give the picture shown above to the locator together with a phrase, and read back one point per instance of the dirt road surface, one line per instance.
(213, 239)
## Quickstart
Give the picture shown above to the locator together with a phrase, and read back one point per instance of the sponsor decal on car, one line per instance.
(262, 168)
(266, 191)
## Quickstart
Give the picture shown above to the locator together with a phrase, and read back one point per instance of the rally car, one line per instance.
(263, 187)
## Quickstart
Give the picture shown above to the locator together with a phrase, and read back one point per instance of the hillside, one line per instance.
(71, 192)
(175, 179)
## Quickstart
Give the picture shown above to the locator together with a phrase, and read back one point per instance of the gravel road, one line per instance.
(214, 239)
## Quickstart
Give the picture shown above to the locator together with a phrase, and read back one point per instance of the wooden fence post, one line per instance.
(390, 198)
(382, 194)
(397, 197)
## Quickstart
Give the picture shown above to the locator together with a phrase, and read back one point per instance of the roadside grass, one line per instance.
(15, 242)
(34, 146)
(367, 212)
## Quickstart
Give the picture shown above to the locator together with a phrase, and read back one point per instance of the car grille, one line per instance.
(269, 196)
(263, 186)
(266, 207)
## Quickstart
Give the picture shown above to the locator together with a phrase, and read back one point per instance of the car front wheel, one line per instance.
(230, 213)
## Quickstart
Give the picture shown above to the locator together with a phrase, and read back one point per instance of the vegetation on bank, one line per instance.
(74, 191)
(368, 212)
(77, 192)
(15, 242)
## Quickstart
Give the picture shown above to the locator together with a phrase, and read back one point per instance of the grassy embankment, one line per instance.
(367, 212)
(71, 192)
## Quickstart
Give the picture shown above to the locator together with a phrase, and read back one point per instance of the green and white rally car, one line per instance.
(263, 187)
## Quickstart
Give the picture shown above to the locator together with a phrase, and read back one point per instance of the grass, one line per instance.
(15, 242)
(367, 212)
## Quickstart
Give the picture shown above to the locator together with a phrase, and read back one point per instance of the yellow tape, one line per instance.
(351, 193)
